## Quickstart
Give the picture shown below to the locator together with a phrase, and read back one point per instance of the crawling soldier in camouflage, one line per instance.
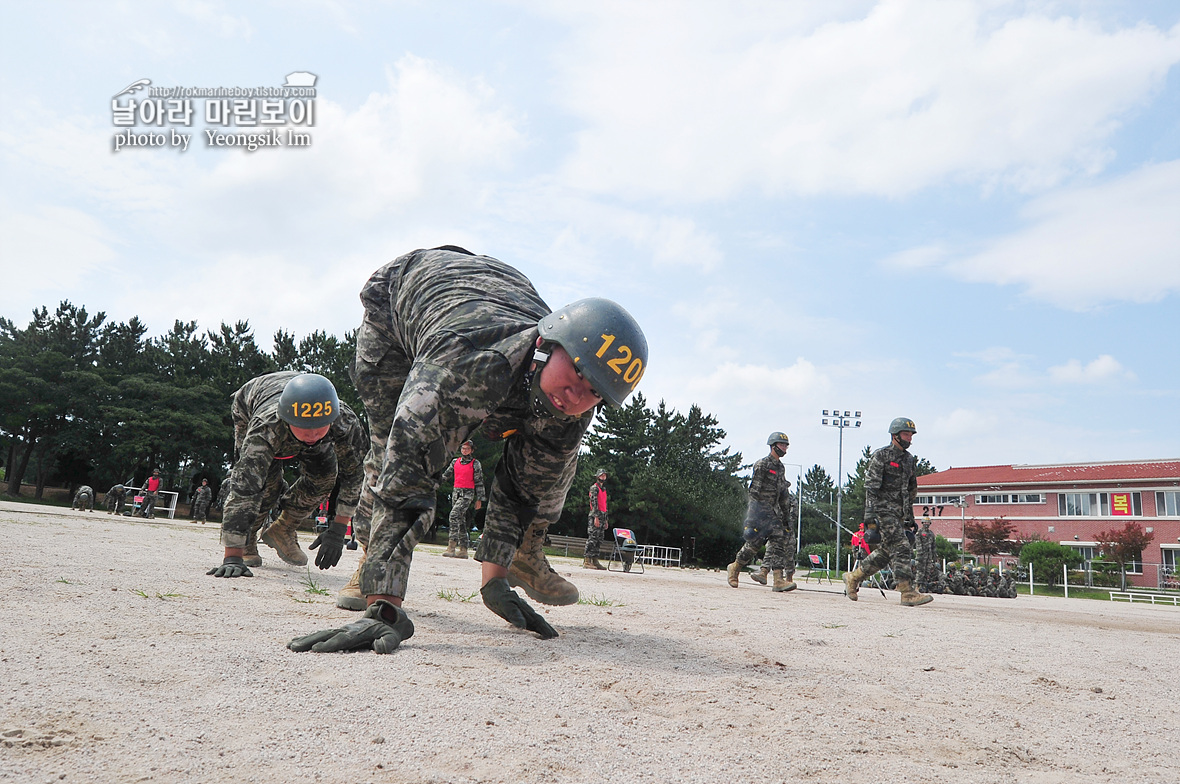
(891, 485)
(450, 343)
(279, 417)
(467, 475)
(768, 521)
(84, 499)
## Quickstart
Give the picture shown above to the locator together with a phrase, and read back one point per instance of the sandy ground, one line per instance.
(121, 661)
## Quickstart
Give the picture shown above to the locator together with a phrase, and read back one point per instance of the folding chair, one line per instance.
(625, 551)
(818, 570)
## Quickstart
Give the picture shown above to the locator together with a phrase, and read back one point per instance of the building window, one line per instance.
(1170, 560)
(1100, 504)
(1087, 551)
(1167, 504)
(1011, 498)
(935, 500)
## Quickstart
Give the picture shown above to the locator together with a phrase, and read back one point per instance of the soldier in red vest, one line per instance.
(467, 474)
(151, 494)
(596, 523)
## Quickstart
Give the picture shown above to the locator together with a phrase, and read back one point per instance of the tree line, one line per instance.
(88, 401)
(84, 400)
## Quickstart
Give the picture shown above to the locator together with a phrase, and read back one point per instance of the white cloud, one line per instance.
(965, 423)
(917, 258)
(752, 96)
(1104, 368)
(1118, 241)
(51, 249)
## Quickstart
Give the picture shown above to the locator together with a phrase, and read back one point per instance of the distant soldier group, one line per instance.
(975, 581)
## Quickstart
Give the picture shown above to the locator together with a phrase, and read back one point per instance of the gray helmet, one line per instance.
(605, 343)
(777, 437)
(309, 401)
(900, 424)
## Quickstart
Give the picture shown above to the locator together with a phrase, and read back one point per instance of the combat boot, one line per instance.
(911, 597)
(251, 557)
(782, 583)
(732, 571)
(852, 582)
(597, 564)
(350, 596)
(760, 575)
(462, 552)
(282, 537)
(531, 571)
(451, 545)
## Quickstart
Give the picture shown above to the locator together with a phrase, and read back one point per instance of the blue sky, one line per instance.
(967, 213)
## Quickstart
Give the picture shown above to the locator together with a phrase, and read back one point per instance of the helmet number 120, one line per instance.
(632, 372)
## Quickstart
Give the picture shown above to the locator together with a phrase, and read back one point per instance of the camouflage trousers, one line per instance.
(780, 550)
(149, 504)
(594, 533)
(461, 500)
(420, 410)
(299, 499)
(201, 510)
(894, 550)
(927, 572)
(115, 503)
(84, 501)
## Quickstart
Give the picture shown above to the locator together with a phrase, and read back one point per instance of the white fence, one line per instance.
(658, 555)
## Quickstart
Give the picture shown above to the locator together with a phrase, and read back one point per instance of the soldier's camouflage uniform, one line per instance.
(84, 498)
(461, 500)
(115, 497)
(924, 552)
(891, 485)
(594, 533)
(201, 501)
(771, 510)
(445, 348)
(263, 443)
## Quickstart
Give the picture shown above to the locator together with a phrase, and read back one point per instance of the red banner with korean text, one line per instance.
(1120, 504)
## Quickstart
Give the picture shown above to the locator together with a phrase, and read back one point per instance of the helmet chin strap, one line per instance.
(542, 405)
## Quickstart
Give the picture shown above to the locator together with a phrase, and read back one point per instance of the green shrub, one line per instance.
(1047, 558)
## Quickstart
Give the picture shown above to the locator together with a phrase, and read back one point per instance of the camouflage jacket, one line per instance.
(468, 326)
(891, 485)
(770, 487)
(261, 437)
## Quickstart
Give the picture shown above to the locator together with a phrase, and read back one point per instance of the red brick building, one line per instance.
(1067, 503)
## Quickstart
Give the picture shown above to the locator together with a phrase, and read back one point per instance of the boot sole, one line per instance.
(784, 590)
(355, 603)
(266, 541)
(543, 598)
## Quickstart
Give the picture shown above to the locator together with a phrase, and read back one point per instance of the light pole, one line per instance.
(835, 418)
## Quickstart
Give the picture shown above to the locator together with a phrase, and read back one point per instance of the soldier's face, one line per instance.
(904, 439)
(309, 435)
(465, 450)
(568, 391)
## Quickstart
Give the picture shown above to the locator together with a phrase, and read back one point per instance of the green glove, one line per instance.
(333, 542)
(505, 602)
(232, 566)
(383, 627)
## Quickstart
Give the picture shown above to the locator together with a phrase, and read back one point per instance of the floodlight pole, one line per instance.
(840, 420)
